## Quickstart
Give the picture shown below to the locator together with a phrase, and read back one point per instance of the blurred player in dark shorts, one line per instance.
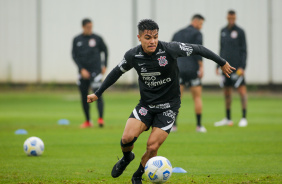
(86, 52)
(191, 69)
(233, 47)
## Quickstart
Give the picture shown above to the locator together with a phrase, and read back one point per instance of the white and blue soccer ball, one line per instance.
(33, 146)
(158, 169)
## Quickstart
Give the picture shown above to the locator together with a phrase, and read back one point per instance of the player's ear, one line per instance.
(139, 38)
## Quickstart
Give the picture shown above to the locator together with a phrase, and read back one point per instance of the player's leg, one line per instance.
(243, 94)
(198, 104)
(83, 86)
(95, 84)
(155, 140)
(133, 129)
(162, 124)
(228, 99)
(100, 108)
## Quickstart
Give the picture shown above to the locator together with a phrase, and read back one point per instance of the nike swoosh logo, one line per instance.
(169, 122)
(141, 64)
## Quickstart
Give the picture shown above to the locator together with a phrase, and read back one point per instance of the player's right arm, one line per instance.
(178, 49)
(74, 54)
(220, 51)
(83, 72)
(124, 66)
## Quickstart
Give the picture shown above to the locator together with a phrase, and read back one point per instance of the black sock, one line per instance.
(199, 119)
(127, 155)
(83, 87)
(244, 113)
(139, 171)
(86, 109)
(228, 114)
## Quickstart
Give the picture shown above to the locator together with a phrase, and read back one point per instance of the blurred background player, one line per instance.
(233, 47)
(87, 52)
(191, 68)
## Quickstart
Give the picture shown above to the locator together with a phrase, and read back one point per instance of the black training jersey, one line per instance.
(158, 73)
(86, 52)
(189, 66)
(233, 46)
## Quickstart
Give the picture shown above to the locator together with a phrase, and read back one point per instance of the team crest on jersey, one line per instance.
(92, 42)
(143, 111)
(234, 34)
(162, 61)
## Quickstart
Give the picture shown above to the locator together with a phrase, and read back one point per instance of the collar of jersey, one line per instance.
(232, 28)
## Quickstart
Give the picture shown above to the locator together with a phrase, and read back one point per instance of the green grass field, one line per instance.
(73, 155)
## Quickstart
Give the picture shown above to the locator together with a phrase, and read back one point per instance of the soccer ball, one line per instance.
(158, 169)
(33, 146)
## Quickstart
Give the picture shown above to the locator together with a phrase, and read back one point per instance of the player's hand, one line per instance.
(240, 71)
(103, 71)
(91, 98)
(227, 69)
(84, 73)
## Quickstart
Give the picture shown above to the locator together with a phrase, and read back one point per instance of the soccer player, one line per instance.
(86, 52)
(233, 47)
(191, 69)
(156, 65)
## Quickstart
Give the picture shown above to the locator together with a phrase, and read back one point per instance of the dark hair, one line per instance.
(147, 24)
(86, 21)
(231, 12)
(198, 16)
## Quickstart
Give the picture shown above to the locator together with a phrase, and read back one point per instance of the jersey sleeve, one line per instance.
(126, 63)
(221, 46)
(178, 49)
(115, 74)
(243, 49)
(74, 55)
(103, 48)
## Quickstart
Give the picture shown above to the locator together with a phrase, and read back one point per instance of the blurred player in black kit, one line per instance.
(86, 52)
(191, 69)
(233, 47)
(156, 65)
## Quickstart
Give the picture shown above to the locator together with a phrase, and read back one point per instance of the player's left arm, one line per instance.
(104, 49)
(186, 49)
(124, 66)
(112, 77)
(243, 50)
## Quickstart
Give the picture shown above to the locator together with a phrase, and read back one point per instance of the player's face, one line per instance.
(87, 29)
(231, 19)
(200, 23)
(149, 40)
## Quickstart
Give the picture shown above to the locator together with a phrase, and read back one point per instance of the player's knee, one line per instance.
(151, 148)
(127, 141)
